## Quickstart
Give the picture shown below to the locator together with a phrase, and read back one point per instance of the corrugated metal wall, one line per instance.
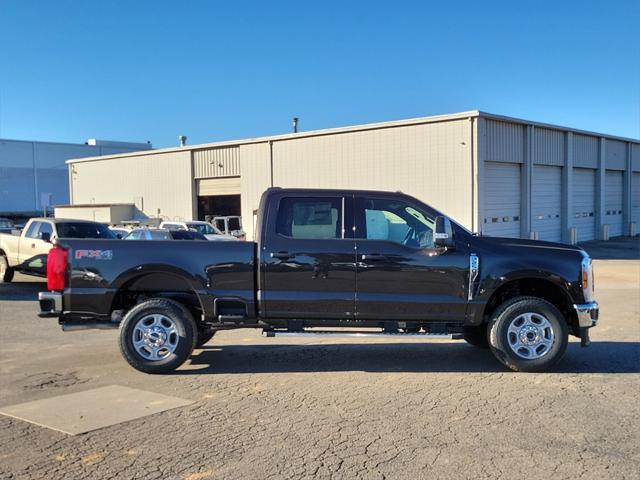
(635, 157)
(431, 162)
(216, 162)
(159, 181)
(504, 142)
(548, 147)
(616, 155)
(585, 151)
(255, 178)
(571, 195)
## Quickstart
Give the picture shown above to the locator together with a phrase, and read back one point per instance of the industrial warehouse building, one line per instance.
(33, 175)
(497, 175)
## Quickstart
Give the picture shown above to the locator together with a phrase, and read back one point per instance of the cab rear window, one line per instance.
(83, 230)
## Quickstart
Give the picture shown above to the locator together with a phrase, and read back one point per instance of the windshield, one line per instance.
(83, 230)
(204, 228)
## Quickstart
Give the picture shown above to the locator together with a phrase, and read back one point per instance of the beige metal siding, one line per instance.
(548, 147)
(255, 178)
(431, 162)
(216, 162)
(616, 155)
(585, 151)
(218, 186)
(155, 182)
(504, 142)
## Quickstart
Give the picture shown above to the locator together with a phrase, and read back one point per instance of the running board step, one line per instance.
(337, 333)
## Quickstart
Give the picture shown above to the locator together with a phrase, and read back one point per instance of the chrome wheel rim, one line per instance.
(530, 335)
(155, 337)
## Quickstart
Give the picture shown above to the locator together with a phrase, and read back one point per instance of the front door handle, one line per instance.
(374, 257)
(281, 255)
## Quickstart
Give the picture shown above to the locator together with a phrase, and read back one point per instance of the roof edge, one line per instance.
(291, 136)
(354, 128)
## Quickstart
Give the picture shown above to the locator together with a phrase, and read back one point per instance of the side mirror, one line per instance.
(45, 237)
(443, 236)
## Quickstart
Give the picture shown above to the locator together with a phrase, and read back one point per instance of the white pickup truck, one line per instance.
(26, 251)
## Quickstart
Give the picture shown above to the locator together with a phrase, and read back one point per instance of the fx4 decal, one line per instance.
(94, 254)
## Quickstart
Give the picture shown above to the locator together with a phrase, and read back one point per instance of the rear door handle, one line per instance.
(281, 255)
(374, 257)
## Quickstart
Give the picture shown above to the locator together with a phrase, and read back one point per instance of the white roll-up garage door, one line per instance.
(584, 203)
(613, 202)
(635, 200)
(502, 199)
(546, 202)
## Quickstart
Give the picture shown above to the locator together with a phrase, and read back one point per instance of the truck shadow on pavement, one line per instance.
(600, 357)
(21, 291)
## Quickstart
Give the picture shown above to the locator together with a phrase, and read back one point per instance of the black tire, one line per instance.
(477, 336)
(204, 337)
(186, 332)
(6, 272)
(501, 341)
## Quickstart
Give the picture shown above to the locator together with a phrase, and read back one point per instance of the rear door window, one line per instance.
(312, 218)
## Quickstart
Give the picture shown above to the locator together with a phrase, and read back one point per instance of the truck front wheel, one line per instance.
(157, 336)
(6, 272)
(528, 334)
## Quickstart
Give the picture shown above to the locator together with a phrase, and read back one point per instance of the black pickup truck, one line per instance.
(329, 262)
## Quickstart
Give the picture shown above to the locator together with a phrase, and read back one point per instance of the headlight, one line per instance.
(587, 278)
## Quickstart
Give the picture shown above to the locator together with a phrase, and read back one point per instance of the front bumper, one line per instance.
(50, 304)
(587, 314)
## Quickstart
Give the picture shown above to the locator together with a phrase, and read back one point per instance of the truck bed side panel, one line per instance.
(99, 268)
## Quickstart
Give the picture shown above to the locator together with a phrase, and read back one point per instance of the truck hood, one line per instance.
(531, 244)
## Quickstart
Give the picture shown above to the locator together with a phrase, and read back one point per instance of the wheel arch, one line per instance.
(542, 287)
(157, 281)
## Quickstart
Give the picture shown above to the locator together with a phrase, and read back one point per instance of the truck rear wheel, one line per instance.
(157, 336)
(528, 334)
(6, 272)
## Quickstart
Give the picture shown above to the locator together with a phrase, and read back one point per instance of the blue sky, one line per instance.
(151, 70)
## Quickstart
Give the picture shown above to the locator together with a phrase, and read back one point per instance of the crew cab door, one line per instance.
(307, 258)
(400, 274)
